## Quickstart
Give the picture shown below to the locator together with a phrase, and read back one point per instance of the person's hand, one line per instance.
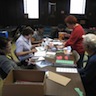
(30, 61)
(39, 44)
(66, 34)
(33, 50)
(64, 43)
(51, 45)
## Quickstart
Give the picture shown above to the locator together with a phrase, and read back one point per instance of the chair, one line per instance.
(16, 57)
(76, 55)
(2, 74)
(85, 59)
(1, 85)
(18, 62)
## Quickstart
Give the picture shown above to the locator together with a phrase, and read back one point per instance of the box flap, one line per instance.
(58, 78)
(24, 83)
(9, 78)
(29, 75)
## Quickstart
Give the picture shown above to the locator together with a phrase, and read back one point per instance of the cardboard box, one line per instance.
(24, 83)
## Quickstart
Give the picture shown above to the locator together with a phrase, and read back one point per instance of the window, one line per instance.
(31, 7)
(77, 6)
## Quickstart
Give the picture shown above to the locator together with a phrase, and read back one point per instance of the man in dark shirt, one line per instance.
(55, 34)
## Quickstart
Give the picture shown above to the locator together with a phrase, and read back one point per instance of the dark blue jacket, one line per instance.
(88, 76)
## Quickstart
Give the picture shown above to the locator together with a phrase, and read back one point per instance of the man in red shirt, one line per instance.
(75, 39)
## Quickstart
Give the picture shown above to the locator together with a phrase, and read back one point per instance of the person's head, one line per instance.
(61, 27)
(71, 21)
(89, 42)
(5, 45)
(41, 28)
(27, 32)
(28, 27)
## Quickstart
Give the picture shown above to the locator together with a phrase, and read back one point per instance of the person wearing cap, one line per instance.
(88, 73)
(75, 39)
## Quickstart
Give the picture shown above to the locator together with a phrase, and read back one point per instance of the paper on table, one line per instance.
(48, 39)
(42, 64)
(40, 48)
(51, 53)
(38, 53)
(66, 70)
(58, 78)
(57, 43)
(41, 58)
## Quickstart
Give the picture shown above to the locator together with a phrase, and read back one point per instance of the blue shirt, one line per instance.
(22, 44)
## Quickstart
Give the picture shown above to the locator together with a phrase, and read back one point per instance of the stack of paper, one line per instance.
(40, 53)
(66, 70)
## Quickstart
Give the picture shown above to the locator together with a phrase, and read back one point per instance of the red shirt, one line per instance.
(75, 40)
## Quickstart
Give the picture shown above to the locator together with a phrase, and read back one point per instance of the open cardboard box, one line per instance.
(24, 83)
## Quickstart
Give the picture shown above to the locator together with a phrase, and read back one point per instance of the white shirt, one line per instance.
(22, 44)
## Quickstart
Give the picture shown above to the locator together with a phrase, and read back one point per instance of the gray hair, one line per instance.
(89, 40)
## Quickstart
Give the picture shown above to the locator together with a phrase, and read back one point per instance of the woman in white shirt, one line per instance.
(24, 48)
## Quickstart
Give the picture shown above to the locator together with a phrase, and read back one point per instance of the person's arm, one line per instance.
(8, 65)
(66, 34)
(25, 52)
(73, 38)
(89, 73)
(19, 49)
(36, 42)
(35, 45)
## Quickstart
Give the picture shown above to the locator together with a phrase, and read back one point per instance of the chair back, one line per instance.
(76, 55)
(16, 55)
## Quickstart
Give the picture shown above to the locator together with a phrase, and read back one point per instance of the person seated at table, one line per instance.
(75, 39)
(24, 48)
(38, 34)
(55, 34)
(88, 73)
(6, 64)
